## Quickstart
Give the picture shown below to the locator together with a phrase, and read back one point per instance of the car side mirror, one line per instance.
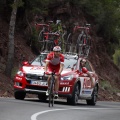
(25, 63)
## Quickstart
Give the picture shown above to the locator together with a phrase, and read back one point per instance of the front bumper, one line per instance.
(31, 91)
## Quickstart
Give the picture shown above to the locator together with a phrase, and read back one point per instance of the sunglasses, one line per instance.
(83, 62)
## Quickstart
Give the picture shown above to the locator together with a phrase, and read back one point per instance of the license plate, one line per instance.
(39, 83)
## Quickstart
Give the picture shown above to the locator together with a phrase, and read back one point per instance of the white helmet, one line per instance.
(57, 48)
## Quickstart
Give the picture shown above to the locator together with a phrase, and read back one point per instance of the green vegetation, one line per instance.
(105, 14)
(105, 85)
(116, 58)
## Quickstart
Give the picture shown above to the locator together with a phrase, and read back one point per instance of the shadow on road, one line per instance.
(57, 101)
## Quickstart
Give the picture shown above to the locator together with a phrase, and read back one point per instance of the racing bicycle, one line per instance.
(84, 40)
(51, 90)
(83, 43)
(48, 38)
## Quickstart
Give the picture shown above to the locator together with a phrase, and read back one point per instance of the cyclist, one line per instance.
(83, 69)
(54, 63)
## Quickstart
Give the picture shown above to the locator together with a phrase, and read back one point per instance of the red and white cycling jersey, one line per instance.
(53, 60)
(54, 63)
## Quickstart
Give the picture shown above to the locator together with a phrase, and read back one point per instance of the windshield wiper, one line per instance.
(68, 66)
(41, 61)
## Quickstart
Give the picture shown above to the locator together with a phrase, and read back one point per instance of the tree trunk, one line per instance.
(10, 59)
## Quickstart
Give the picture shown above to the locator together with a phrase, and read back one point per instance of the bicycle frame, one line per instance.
(85, 29)
(50, 40)
(42, 26)
(83, 42)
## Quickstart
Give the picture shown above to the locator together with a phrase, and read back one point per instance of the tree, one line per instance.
(10, 58)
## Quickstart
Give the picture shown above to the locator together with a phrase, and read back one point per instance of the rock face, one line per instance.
(118, 94)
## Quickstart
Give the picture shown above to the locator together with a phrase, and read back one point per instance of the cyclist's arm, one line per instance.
(61, 63)
(46, 65)
(47, 61)
(61, 68)
(91, 79)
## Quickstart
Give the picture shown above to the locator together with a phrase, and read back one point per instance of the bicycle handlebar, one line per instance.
(51, 33)
(79, 27)
(40, 24)
(52, 73)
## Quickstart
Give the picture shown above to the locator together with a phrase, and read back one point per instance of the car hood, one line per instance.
(33, 69)
(66, 71)
(40, 70)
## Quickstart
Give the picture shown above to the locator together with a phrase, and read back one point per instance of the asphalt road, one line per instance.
(33, 109)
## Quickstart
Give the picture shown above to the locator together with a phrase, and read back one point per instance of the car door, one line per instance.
(87, 81)
(86, 89)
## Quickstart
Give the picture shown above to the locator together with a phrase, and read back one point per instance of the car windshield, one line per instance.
(68, 62)
(40, 60)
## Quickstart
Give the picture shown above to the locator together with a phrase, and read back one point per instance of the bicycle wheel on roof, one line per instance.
(82, 39)
(41, 36)
(80, 44)
(67, 43)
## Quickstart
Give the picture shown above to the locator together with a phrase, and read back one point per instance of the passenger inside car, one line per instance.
(83, 69)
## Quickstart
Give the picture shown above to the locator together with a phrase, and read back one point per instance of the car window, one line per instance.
(70, 63)
(88, 66)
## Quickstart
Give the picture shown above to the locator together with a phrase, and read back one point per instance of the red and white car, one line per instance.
(73, 85)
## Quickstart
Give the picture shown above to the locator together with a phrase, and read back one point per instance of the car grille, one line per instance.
(35, 77)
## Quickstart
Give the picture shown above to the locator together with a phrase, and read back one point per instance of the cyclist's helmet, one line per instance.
(57, 48)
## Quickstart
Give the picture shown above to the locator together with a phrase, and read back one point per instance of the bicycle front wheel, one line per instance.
(51, 93)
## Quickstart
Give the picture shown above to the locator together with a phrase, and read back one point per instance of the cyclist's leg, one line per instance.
(48, 80)
(49, 70)
(56, 84)
(56, 87)
(56, 69)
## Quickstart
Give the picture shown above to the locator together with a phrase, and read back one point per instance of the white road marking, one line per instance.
(34, 116)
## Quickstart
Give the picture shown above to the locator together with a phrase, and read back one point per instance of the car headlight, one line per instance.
(20, 73)
(69, 77)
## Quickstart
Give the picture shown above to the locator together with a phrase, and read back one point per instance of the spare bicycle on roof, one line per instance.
(50, 36)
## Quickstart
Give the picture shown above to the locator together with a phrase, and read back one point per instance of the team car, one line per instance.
(73, 85)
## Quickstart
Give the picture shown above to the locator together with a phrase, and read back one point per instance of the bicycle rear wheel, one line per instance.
(41, 36)
(41, 40)
(68, 43)
(81, 42)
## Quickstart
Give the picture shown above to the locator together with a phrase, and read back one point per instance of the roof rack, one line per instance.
(44, 52)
